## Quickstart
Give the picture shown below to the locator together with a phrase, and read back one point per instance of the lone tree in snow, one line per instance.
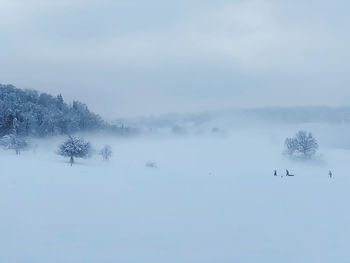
(74, 147)
(106, 152)
(303, 145)
(14, 142)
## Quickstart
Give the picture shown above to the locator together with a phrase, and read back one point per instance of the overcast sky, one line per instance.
(138, 57)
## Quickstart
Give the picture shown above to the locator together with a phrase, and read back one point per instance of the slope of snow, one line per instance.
(209, 200)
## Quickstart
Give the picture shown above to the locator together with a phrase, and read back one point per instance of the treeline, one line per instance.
(30, 113)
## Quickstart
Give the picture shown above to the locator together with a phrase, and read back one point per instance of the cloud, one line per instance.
(202, 53)
(250, 34)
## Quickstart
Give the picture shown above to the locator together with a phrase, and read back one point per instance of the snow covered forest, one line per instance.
(30, 113)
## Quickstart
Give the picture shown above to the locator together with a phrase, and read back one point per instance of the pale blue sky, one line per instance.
(137, 57)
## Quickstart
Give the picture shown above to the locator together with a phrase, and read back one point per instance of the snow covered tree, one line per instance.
(59, 102)
(106, 152)
(14, 142)
(15, 126)
(74, 148)
(303, 145)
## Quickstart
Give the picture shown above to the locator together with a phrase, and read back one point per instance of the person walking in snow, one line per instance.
(287, 172)
(275, 173)
(330, 174)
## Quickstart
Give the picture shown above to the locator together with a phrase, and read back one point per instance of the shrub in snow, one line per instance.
(106, 152)
(14, 142)
(215, 130)
(74, 148)
(302, 145)
(151, 165)
(178, 130)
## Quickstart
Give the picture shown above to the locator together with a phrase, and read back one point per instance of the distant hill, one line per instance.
(30, 113)
(225, 119)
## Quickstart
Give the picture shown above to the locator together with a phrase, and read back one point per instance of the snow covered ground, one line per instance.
(211, 199)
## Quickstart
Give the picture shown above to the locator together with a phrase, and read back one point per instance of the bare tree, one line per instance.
(106, 152)
(291, 146)
(303, 144)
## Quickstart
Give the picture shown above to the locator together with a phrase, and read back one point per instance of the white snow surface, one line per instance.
(210, 200)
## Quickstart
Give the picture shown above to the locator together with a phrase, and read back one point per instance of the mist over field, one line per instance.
(181, 131)
(212, 197)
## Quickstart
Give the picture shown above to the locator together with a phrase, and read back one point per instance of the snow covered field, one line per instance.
(210, 199)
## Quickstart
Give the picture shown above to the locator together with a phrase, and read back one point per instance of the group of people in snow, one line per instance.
(330, 174)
